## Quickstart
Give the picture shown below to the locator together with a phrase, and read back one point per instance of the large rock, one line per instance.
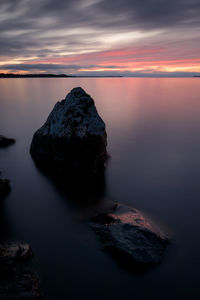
(4, 141)
(73, 138)
(130, 236)
(15, 281)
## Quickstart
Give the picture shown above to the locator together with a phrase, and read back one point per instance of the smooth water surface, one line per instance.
(153, 127)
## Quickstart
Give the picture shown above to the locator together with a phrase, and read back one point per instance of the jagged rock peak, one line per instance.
(75, 116)
(74, 135)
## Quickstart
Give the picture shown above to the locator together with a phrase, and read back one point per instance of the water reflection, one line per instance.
(153, 138)
(82, 192)
(4, 225)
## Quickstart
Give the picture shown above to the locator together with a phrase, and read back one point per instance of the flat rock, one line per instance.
(4, 187)
(130, 236)
(73, 138)
(5, 142)
(15, 281)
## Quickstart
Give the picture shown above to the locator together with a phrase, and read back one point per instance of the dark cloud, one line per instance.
(49, 67)
(154, 13)
(28, 67)
(103, 13)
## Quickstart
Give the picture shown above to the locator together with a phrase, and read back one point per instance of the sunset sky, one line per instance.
(100, 37)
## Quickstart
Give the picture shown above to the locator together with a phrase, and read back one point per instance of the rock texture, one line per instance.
(4, 187)
(130, 236)
(73, 138)
(5, 142)
(15, 281)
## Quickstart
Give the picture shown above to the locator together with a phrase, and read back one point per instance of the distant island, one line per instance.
(10, 75)
(196, 76)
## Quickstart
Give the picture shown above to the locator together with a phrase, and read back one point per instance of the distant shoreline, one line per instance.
(49, 76)
(10, 75)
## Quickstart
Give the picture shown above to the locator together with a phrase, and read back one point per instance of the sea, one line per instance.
(153, 128)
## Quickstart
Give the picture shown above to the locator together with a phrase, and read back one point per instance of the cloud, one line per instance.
(50, 67)
(150, 14)
(32, 30)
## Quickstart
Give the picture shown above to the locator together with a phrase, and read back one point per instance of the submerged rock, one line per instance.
(15, 281)
(4, 141)
(73, 138)
(13, 254)
(4, 187)
(130, 236)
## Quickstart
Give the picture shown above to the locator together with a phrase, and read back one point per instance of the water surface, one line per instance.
(153, 127)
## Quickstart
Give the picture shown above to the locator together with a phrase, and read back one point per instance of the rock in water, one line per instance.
(130, 236)
(73, 138)
(5, 142)
(15, 281)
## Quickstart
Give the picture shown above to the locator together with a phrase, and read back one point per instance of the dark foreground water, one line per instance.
(153, 128)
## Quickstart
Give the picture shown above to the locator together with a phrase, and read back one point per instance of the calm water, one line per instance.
(153, 128)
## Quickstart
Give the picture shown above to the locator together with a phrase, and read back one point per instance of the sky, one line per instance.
(100, 37)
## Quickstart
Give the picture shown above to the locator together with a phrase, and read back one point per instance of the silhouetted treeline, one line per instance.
(10, 75)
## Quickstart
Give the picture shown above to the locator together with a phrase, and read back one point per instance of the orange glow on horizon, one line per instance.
(124, 60)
